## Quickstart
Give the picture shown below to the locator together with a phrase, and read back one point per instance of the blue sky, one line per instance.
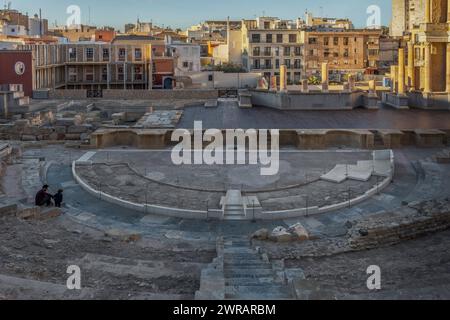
(183, 13)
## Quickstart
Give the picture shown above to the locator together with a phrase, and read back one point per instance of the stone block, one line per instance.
(26, 137)
(28, 213)
(46, 213)
(8, 210)
(262, 234)
(280, 234)
(299, 232)
(79, 129)
(123, 235)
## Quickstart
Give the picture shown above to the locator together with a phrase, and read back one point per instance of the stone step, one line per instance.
(258, 292)
(244, 262)
(248, 281)
(20, 288)
(247, 273)
(239, 250)
(142, 269)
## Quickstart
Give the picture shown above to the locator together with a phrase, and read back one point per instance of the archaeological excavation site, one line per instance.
(227, 167)
(140, 226)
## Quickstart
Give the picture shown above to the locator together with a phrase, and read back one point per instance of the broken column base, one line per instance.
(371, 101)
(245, 100)
(398, 101)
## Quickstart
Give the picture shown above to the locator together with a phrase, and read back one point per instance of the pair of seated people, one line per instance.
(44, 198)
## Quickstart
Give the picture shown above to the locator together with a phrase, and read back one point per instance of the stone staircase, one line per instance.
(233, 205)
(241, 273)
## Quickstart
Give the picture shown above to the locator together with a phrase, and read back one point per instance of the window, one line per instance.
(104, 74)
(256, 51)
(297, 64)
(89, 54)
(277, 51)
(122, 54)
(72, 74)
(185, 64)
(105, 54)
(287, 63)
(298, 51)
(89, 73)
(279, 38)
(292, 38)
(266, 24)
(138, 54)
(72, 54)
(210, 77)
(268, 64)
(346, 53)
(326, 53)
(346, 41)
(277, 64)
(326, 41)
(336, 41)
(138, 73)
(267, 51)
(256, 64)
(312, 40)
(256, 38)
(269, 38)
(120, 73)
(287, 51)
(297, 77)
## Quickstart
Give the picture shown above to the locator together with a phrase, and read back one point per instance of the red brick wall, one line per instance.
(8, 75)
(104, 35)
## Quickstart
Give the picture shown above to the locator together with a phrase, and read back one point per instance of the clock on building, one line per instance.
(19, 68)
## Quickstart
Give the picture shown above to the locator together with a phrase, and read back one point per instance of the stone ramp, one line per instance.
(381, 165)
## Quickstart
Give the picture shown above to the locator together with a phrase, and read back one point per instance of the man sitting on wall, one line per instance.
(43, 197)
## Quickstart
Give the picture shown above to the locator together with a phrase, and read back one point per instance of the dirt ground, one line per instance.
(418, 268)
(42, 250)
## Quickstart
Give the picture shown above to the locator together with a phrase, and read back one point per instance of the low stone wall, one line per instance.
(80, 94)
(320, 139)
(435, 100)
(23, 131)
(407, 223)
(138, 138)
(295, 100)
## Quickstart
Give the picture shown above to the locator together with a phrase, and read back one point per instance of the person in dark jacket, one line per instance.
(58, 198)
(43, 198)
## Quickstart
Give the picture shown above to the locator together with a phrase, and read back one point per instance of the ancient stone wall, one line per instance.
(138, 94)
(408, 223)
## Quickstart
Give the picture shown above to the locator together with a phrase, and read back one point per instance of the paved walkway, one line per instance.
(227, 116)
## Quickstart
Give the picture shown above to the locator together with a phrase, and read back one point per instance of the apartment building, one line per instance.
(270, 42)
(345, 51)
(91, 65)
(406, 15)
(311, 21)
(76, 33)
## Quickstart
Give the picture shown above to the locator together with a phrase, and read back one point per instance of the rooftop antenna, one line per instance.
(40, 22)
